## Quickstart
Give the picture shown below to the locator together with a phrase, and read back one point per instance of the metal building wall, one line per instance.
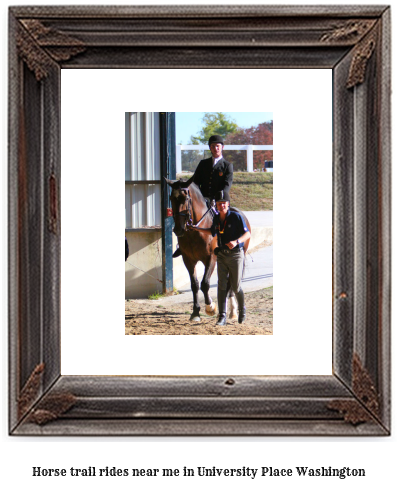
(142, 170)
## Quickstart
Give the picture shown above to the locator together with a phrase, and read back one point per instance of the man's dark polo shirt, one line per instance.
(231, 229)
(213, 178)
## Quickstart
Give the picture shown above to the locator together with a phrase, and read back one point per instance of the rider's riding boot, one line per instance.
(222, 304)
(177, 252)
(241, 306)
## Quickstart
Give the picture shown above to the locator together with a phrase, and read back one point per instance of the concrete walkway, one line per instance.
(260, 219)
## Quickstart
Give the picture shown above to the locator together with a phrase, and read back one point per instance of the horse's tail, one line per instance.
(230, 292)
(243, 265)
(246, 244)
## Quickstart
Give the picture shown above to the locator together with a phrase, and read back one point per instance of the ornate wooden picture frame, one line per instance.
(353, 41)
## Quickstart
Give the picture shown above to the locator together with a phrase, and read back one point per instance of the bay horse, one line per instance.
(189, 207)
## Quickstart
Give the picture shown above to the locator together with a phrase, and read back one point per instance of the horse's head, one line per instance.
(181, 206)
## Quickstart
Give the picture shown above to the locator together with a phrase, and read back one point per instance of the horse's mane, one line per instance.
(194, 190)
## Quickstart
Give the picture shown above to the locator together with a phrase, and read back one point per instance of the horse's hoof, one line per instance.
(211, 309)
(195, 318)
(233, 316)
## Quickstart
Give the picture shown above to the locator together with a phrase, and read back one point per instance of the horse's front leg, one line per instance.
(195, 316)
(233, 314)
(210, 307)
(232, 303)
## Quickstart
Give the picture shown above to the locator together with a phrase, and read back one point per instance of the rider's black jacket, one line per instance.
(212, 179)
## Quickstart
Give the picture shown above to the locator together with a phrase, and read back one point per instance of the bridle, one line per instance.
(187, 212)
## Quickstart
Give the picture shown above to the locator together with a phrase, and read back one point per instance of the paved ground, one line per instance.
(259, 219)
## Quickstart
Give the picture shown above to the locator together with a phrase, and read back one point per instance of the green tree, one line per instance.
(214, 124)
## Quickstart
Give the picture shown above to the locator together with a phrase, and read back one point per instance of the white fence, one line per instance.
(249, 148)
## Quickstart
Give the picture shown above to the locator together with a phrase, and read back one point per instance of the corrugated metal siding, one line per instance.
(142, 163)
(142, 205)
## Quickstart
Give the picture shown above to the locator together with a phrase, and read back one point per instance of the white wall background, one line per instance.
(92, 279)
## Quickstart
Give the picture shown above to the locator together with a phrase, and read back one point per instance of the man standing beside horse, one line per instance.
(212, 175)
(232, 233)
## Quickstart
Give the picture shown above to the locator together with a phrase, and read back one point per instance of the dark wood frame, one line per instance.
(353, 41)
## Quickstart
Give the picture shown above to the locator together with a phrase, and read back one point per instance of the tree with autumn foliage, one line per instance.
(256, 135)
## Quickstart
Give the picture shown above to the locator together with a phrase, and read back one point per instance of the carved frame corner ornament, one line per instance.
(50, 407)
(38, 46)
(361, 56)
(30, 391)
(366, 406)
(354, 43)
(364, 33)
(349, 31)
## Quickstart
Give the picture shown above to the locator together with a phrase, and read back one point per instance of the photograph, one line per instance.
(203, 266)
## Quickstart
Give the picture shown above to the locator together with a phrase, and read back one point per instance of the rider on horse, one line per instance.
(212, 175)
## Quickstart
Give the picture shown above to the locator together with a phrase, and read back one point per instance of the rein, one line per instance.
(202, 218)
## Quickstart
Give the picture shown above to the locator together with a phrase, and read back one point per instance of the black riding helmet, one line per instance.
(222, 196)
(215, 139)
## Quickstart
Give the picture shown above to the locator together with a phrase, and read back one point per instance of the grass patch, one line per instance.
(156, 295)
(250, 191)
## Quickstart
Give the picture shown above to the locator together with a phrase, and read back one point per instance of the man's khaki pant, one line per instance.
(230, 263)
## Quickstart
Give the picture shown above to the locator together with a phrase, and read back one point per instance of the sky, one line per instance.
(188, 124)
